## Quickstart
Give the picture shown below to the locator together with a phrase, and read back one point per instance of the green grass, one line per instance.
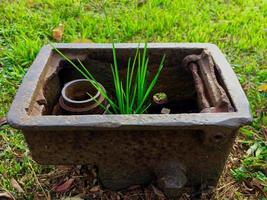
(238, 27)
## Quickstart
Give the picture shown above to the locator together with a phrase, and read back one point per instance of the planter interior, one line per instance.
(174, 81)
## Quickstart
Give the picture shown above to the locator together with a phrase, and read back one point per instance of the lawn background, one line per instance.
(238, 27)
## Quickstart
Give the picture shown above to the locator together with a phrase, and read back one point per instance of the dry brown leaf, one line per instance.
(141, 3)
(248, 185)
(118, 197)
(30, 3)
(263, 87)
(41, 196)
(134, 187)
(57, 33)
(71, 198)
(94, 172)
(6, 196)
(148, 194)
(64, 167)
(264, 132)
(16, 186)
(65, 186)
(95, 189)
(3, 121)
(257, 184)
(158, 192)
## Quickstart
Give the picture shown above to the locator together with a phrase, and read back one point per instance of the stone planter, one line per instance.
(185, 149)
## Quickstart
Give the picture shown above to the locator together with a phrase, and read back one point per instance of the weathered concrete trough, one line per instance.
(185, 149)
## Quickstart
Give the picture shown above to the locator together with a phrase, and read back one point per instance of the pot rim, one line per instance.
(63, 92)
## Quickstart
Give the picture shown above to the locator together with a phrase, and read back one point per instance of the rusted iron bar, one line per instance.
(211, 95)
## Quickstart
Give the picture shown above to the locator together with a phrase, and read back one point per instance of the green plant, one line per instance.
(131, 98)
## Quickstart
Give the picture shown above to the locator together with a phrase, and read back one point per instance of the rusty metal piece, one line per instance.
(75, 98)
(202, 99)
(211, 95)
(130, 149)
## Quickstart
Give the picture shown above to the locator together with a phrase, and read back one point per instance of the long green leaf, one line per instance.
(152, 84)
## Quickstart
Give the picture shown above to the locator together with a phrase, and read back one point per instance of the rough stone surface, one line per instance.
(131, 149)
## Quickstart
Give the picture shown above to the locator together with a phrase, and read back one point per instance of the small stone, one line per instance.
(165, 111)
(160, 98)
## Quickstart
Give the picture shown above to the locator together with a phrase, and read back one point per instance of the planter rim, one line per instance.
(19, 118)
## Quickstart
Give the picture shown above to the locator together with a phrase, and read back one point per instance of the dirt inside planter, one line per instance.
(174, 80)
